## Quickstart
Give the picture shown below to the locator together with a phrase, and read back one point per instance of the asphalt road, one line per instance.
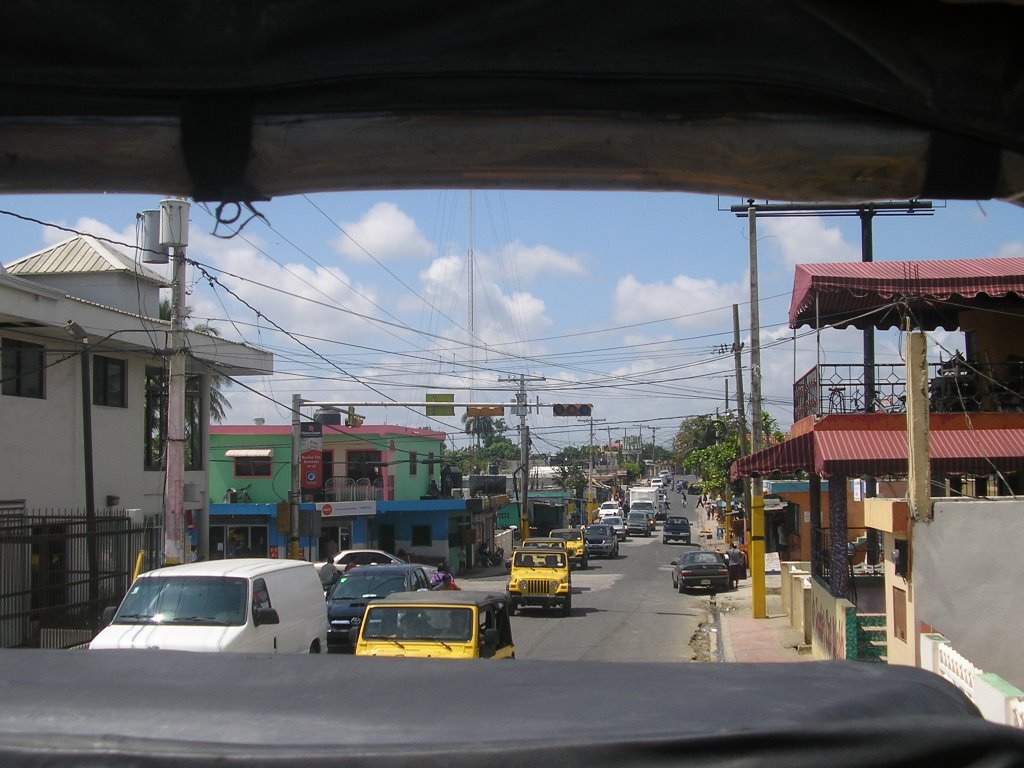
(623, 609)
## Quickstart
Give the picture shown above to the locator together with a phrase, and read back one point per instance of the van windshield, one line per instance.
(184, 600)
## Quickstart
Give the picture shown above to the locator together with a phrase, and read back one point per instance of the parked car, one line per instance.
(347, 600)
(636, 524)
(601, 540)
(656, 482)
(617, 525)
(349, 558)
(701, 569)
(248, 605)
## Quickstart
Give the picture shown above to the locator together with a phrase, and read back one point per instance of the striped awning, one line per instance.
(880, 293)
(853, 453)
(249, 453)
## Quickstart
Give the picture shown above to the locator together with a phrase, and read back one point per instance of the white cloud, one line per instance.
(529, 262)
(385, 233)
(689, 299)
(803, 240)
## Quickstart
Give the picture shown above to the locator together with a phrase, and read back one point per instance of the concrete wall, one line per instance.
(967, 574)
(44, 449)
(833, 625)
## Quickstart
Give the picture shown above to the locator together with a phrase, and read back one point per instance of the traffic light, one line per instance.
(572, 409)
(353, 419)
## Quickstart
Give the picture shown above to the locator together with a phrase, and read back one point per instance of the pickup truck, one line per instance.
(675, 528)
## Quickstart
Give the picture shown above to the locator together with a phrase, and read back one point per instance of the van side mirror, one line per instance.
(108, 614)
(508, 565)
(265, 616)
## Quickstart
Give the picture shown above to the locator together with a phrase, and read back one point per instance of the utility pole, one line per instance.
(585, 517)
(521, 409)
(294, 492)
(756, 547)
(741, 408)
(174, 235)
(654, 446)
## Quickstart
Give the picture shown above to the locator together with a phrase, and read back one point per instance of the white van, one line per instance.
(251, 605)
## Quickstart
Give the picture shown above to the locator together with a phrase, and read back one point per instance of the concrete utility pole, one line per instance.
(919, 459)
(174, 235)
(521, 409)
(756, 546)
(741, 407)
(295, 493)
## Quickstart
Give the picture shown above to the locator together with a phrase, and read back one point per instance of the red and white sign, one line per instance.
(310, 468)
(326, 510)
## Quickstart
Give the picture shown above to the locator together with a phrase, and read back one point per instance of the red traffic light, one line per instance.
(572, 409)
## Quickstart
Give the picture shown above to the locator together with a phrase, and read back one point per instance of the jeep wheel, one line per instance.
(584, 565)
(513, 605)
(567, 606)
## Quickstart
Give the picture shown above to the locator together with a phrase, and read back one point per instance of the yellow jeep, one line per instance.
(575, 545)
(539, 576)
(444, 624)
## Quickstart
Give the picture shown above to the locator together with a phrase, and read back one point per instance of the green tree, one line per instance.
(571, 477)
(219, 404)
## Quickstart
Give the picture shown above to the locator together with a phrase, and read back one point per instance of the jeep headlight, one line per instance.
(554, 584)
(522, 584)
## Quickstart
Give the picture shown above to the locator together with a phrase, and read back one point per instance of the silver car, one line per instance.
(616, 525)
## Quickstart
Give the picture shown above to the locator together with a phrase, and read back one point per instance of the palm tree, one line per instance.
(219, 404)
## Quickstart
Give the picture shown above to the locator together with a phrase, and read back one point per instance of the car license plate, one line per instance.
(705, 582)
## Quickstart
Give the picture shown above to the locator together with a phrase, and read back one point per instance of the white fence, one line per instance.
(997, 700)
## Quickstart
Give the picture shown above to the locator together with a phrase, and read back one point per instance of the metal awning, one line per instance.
(879, 294)
(249, 453)
(856, 452)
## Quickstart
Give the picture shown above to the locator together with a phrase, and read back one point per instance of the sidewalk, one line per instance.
(741, 637)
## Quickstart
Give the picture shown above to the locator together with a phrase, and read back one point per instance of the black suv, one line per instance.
(346, 602)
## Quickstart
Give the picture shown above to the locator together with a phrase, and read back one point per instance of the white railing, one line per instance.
(996, 699)
(346, 489)
(957, 669)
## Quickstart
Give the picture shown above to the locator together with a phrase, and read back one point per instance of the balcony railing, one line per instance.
(955, 386)
(346, 489)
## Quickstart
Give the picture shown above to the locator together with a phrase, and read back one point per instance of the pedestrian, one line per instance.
(737, 565)
(684, 502)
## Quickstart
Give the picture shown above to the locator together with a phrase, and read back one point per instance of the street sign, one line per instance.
(310, 467)
(440, 409)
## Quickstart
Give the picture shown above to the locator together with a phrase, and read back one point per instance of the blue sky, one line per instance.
(616, 299)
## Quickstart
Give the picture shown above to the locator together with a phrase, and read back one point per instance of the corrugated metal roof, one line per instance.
(879, 293)
(82, 254)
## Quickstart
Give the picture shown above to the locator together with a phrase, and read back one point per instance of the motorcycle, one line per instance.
(488, 558)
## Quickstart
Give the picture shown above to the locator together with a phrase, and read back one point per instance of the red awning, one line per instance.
(879, 294)
(853, 453)
(788, 456)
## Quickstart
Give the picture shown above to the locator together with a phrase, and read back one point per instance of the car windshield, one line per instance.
(677, 521)
(184, 600)
(568, 535)
(540, 559)
(598, 530)
(360, 584)
(613, 520)
(414, 622)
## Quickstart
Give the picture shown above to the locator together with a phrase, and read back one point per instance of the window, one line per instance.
(421, 536)
(108, 381)
(412, 463)
(252, 466)
(899, 614)
(23, 369)
(156, 422)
